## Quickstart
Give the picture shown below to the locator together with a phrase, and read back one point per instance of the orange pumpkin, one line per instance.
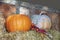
(18, 22)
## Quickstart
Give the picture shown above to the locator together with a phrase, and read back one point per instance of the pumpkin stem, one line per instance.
(42, 12)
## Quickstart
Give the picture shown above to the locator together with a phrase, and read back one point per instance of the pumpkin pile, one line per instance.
(18, 22)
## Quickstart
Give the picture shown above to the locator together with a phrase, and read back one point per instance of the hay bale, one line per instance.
(55, 17)
(2, 26)
(30, 35)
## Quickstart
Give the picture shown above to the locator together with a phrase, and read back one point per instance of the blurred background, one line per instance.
(52, 4)
(49, 3)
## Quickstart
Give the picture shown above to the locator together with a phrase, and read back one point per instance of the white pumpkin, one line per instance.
(23, 10)
(44, 22)
(41, 21)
